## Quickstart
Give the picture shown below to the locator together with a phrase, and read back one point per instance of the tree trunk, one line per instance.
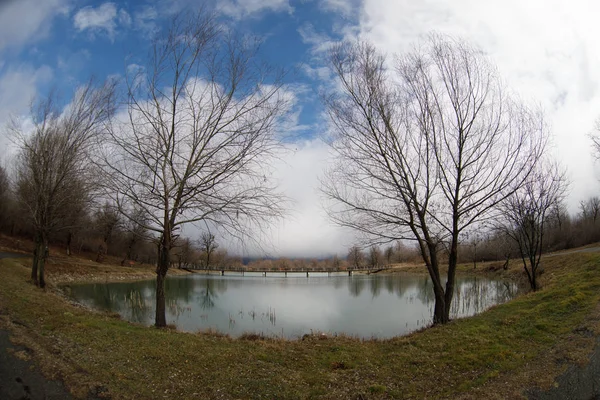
(69, 240)
(452, 261)
(440, 313)
(37, 253)
(42, 261)
(161, 273)
(161, 318)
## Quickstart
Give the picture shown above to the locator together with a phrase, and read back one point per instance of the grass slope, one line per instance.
(498, 354)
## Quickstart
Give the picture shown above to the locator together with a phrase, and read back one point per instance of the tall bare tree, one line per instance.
(53, 170)
(200, 127)
(426, 149)
(527, 211)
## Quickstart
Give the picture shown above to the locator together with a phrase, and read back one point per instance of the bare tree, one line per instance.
(335, 263)
(209, 245)
(355, 257)
(53, 171)
(527, 211)
(184, 252)
(5, 198)
(107, 221)
(374, 257)
(425, 150)
(135, 231)
(200, 128)
(389, 254)
(590, 209)
(595, 138)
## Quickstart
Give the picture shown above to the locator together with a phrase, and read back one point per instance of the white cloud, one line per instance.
(18, 85)
(145, 19)
(307, 232)
(103, 18)
(319, 73)
(344, 7)
(22, 21)
(318, 41)
(546, 51)
(73, 62)
(124, 18)
(239, 9)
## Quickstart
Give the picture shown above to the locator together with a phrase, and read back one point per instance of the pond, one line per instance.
(365, 306)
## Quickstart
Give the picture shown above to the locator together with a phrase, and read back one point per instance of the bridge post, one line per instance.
(328, 273)
(265, 273)
(350, 273)
(286, 274)
(222, 272)
(307, 274)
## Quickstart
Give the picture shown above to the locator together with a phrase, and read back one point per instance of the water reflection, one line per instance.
(361, 305)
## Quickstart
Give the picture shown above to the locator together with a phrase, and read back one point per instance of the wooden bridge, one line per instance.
(285, 272)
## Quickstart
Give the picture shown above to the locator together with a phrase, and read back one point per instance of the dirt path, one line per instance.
(4, 254)
(20, 378)
(564, 253)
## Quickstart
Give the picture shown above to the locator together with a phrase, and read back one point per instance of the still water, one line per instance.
(364, 306)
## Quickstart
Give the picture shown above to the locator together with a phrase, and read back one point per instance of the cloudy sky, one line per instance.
(546, 50)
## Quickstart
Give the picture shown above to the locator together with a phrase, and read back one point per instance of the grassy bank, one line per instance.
(512, 347)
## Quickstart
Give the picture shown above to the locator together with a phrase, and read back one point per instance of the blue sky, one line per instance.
(76, 40)
(545, 49)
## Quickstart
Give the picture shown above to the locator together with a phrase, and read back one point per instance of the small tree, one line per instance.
(374, 257)
(209, 245)
(135, 232)
(335, 262)
(527, 211)
(53, 170)
(590, 209)
(389, 254)
(184, 252)
(107, 221)
(355, 257)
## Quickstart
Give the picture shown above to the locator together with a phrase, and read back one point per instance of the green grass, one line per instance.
(499, 353)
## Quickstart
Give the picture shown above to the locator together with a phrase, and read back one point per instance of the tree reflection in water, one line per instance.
(392, 305)
(208, 295)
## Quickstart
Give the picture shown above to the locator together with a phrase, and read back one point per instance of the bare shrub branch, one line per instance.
(527, 211)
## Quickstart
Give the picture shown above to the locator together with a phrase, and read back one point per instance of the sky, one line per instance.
(546, 50)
